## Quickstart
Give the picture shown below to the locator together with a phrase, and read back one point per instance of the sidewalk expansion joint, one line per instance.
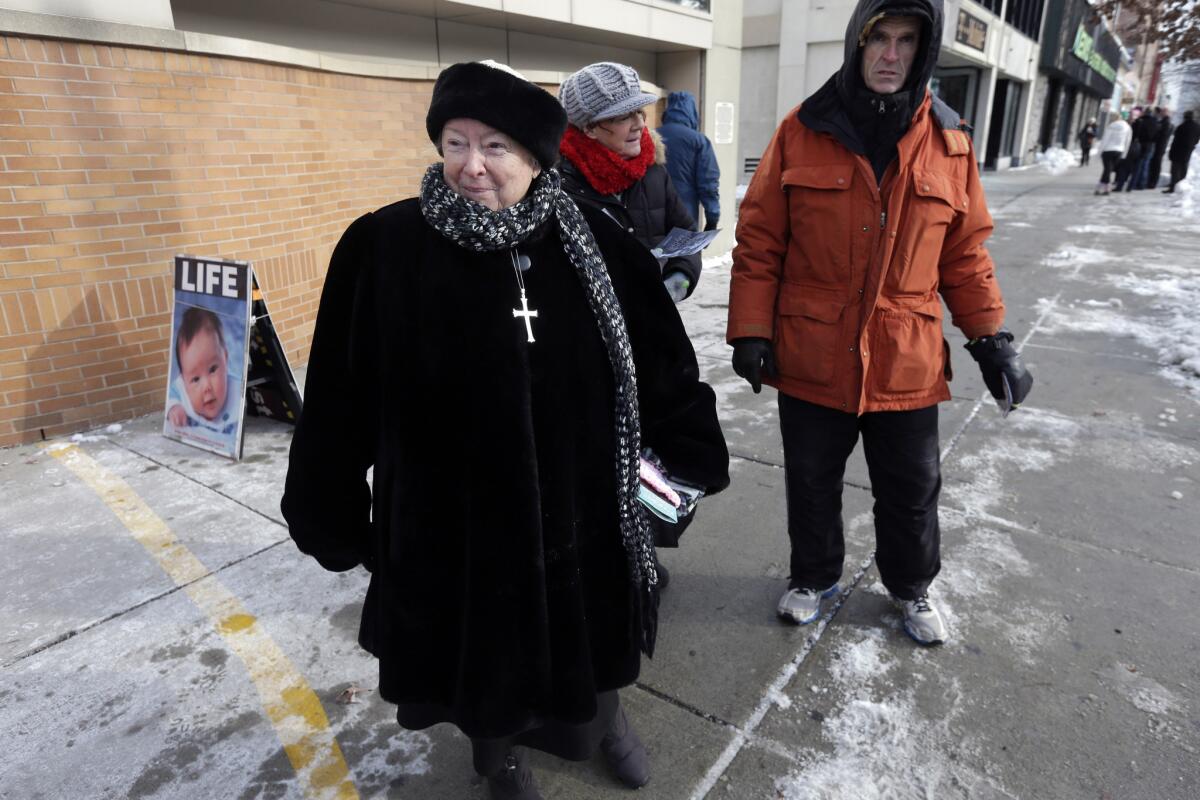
(754, 460)
(184, 475)
(688, 707)
(71, 634)
(746, 733)
(1062, 538)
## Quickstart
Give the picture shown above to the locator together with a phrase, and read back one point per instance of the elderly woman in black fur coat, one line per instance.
(500, 359)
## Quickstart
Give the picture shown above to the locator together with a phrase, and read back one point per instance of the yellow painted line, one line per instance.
(289, 701)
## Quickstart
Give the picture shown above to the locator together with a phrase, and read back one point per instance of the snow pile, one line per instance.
(1056, 160)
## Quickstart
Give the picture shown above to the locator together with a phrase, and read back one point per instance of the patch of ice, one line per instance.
(1143, 692)
(859, 660)
(88, 437)
(779, 698)
(1115, 230)
(883, 750)
(114, 428)
(1075, 258)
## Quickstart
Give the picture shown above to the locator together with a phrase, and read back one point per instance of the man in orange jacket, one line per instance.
(865, 207)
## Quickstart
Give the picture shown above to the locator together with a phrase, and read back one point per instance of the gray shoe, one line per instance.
(803, 606)
(515, 781)
(922, 621)
(625, 753)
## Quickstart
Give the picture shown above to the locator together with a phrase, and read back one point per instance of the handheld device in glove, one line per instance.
(754, 357)
(1003, 371)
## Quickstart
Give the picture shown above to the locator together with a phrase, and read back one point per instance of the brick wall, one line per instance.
(115, 159)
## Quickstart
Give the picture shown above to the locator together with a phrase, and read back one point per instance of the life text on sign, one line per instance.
(211, 278)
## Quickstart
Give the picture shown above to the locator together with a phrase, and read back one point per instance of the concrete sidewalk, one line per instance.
(161, 637)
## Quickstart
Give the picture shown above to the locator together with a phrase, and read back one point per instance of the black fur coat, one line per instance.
(500, 595)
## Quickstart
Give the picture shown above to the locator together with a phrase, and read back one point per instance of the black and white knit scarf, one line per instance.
(478, 228)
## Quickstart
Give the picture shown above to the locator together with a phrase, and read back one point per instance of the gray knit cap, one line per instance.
(602, 91)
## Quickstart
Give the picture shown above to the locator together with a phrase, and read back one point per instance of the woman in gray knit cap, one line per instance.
(614, 163)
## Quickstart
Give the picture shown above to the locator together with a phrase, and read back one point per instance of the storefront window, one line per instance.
(694, 5)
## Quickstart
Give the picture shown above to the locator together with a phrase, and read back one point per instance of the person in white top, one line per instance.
(1113, 147)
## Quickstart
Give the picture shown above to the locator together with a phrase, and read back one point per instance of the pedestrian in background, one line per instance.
(1113, 146)
(1161, 139)
(1127, 166)
(1145, 132)
(1182, 145)
(513, 588)
(1087, 135)
(865, 206)
(691, 162)
(612, 163)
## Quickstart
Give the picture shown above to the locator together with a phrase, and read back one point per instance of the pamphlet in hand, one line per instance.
(1005, 404)
(666, 498)
(682, 242)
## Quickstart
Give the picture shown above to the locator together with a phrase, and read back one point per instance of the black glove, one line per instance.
(752, 358)
(710, 223)
(998, 358)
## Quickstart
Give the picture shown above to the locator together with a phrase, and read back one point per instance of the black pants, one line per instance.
(1110, 159)
(1179, 171)
(902, 456)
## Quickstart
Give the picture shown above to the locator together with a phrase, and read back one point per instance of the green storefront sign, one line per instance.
(1084, 52)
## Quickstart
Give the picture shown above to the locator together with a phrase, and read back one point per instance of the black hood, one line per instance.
(849, 80)
(865, 122)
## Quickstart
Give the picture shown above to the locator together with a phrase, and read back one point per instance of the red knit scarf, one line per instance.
(606, 170)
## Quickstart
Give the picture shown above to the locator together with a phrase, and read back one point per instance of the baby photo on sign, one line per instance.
(206, 383)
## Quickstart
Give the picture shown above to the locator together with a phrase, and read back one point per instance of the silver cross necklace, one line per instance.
(521, 263)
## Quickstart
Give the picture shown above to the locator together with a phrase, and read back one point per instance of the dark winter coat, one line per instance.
(1145, 130)
(500, 593)
(1163, 137)
(691, 162)
(1186, 137)
(648, 209)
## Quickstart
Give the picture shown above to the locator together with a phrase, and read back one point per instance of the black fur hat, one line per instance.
(497, 97)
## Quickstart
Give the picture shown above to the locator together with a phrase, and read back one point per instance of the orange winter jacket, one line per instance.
(844, 275)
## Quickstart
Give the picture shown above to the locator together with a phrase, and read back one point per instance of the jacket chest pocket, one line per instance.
(934, 201)
(819, 215)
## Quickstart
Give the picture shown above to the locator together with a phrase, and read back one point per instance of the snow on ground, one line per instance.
(1167, 273)
(881, 745)
(1056, 160)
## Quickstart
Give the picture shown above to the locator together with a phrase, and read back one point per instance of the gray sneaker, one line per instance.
(922, 621)
(803, 606)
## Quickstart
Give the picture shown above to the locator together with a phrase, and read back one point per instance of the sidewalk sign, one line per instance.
(271, 389)
(223, 350)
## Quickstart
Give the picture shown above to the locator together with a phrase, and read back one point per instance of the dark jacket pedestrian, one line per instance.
(691, 161)
(1161, 139)
(866, 211)
(1087, 136)
(612, 163)
(1145, 132)
(513, 587)
(1182, 145)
